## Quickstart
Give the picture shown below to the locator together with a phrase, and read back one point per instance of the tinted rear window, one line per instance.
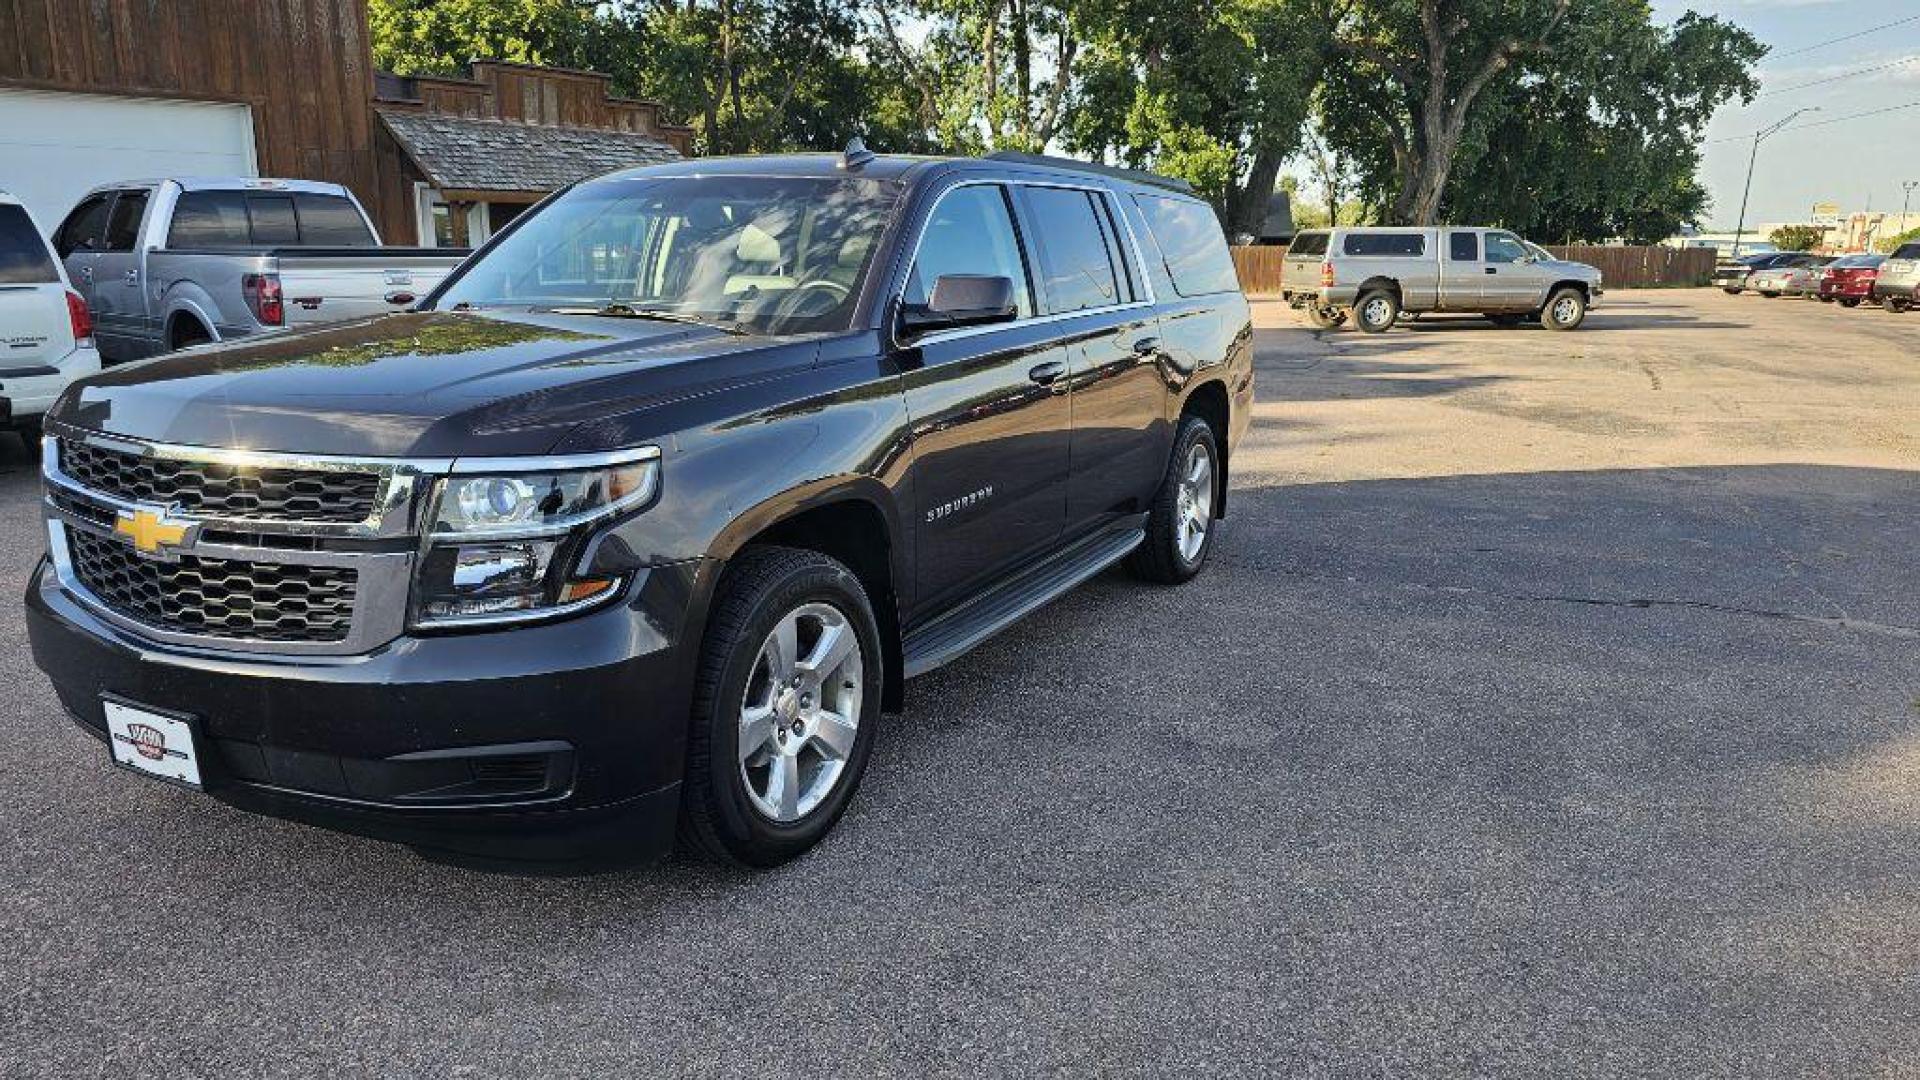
(1079, 266)
(24, 259)
(331, 221)
(1192, 244)
(1385, 244)
(1308, 243)
(215, 219)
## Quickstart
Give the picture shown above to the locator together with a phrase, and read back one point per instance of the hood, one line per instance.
(1570, 268)
(432, 384)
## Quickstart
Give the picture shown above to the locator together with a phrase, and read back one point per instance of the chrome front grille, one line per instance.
(221, 598)
(224, 490)
(236, 550)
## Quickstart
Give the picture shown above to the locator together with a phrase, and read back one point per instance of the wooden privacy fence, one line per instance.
(1620, 267)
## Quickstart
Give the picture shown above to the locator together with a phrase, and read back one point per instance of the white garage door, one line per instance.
(54, 147)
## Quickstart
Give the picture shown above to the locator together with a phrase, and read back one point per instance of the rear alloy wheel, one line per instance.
(785, 708)
(1566, 309)
(1897, 304)
(1376, 311)
(1180, 528)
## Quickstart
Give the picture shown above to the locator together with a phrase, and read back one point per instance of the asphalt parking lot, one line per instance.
(1552, 709)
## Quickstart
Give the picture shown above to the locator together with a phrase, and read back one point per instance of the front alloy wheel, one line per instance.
(786, 703)
(801, 713)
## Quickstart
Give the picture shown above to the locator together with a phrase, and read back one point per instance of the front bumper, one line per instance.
(544, 746)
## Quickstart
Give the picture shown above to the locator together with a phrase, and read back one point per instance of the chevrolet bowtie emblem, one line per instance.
(151, 530)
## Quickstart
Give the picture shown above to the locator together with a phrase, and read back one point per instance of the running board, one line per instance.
(957, 632)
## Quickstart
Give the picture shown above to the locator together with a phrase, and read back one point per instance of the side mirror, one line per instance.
(961, 300)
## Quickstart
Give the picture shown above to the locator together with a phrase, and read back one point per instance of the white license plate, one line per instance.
(152, 743)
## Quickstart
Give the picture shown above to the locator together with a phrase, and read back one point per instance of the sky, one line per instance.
(1852, 162)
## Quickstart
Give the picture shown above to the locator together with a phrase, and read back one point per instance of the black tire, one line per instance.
(1897, 304)
(1730, 290)
(1565, 310)
(762, 587)
(1506, 319)
(1769, 295)
(1322, 318)
(1160, 558)
(1849, 301)
(1376, 311)
(1824, 299)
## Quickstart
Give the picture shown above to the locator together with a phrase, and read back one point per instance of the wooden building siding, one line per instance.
(303, 66)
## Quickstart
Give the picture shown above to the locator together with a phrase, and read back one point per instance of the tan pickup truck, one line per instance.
(1378, 274)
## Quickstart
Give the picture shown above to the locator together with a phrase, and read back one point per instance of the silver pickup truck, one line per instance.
(164, 264)
(1380, 273)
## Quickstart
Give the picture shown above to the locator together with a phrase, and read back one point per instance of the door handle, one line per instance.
(1046, 373)
(1493, 269)
(86, 274)
(1146, 345)
(133, 278)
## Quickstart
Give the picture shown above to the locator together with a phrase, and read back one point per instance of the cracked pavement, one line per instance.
(1552, 709)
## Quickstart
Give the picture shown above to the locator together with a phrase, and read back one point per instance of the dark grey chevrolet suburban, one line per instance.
(632, 528)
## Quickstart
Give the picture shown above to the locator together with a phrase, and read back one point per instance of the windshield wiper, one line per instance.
(628, 311)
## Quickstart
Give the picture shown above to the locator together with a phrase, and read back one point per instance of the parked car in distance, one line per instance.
(1733, 275)
(46, 332)
(639, 521)
(1794, 279)
(1849, 280)
(1897, 284)
(1380, 273)
(166, 264)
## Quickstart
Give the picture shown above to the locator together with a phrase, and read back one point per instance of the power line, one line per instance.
(1837, 78)
(1849, 37)
(1824, 123)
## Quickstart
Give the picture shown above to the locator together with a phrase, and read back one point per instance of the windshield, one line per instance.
(771, 255)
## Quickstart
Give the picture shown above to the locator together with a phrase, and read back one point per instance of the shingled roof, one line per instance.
(461, 154)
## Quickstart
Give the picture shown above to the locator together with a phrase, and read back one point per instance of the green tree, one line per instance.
(1892, 243)
(1797, 237)
(1576, 118)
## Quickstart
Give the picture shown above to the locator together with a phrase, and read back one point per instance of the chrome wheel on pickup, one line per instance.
(801, 712)
(1566, 309)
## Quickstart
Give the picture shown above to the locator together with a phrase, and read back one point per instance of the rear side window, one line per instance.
(85, 229)
(1077, 261)
(123, 225)
(1463, 247)
(1310, 243)
(1386, 245)
(24, 259)
(331, 221)
(1907, 251)
(1192, 244)
(209, 219)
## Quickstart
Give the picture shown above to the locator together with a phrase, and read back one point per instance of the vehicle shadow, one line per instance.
(1565, 764)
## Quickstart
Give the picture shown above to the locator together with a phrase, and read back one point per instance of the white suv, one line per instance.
(46, 332)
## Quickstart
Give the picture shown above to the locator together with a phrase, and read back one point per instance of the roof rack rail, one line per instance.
(1138, 176)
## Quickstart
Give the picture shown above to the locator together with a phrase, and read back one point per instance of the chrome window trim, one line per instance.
(555, 462)
(1133, 251)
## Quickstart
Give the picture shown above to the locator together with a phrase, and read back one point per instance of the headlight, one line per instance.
(507, 533)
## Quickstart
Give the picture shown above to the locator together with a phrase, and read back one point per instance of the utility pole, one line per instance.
(1906, 197)
(1758, 137)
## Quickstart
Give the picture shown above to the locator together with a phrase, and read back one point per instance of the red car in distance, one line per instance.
(1849, 280)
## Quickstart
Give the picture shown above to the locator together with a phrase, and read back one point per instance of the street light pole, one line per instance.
(1906, 197)
(1758, 136)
